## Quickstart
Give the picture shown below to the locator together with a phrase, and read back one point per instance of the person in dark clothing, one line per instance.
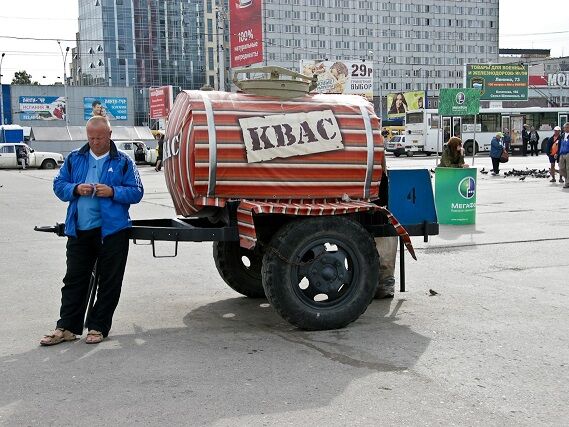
(496, 149)
(159, 149)
(507, 140)
(525, 140)
(533, 141)
(551, 150)
(22, 156)
(386, 247)
(453, 155)
(100, 183)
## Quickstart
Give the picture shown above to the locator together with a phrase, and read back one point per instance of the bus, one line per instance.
(424, 132)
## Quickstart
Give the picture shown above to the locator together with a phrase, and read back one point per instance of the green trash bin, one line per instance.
(455, 195)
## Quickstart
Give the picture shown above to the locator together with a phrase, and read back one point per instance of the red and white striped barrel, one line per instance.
(222, 146)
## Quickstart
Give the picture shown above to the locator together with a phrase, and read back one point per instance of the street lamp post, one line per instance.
(389, 60)
(220, 18)
(1, 92)
(64, 57)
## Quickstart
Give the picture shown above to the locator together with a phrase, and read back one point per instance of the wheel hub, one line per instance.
(327, 273)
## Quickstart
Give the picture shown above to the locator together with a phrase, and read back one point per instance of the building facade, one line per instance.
(141, 44)
(413, 44)
(548, 77)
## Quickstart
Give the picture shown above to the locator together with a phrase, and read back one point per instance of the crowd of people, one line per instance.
(556, 149)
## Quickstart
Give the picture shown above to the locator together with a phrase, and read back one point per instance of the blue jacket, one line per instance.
(563, 146)
(120, 173)
(496, 148)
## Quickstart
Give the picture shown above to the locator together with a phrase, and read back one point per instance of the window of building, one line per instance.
(210, 30)
(210, 58)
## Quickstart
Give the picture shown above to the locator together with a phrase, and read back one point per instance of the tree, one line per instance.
(23, 78)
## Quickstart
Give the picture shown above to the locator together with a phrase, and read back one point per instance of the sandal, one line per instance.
(55, 338)
(94, 337)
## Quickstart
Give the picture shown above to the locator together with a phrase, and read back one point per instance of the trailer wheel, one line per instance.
(409, 153)
(240, 268)
(321, 273)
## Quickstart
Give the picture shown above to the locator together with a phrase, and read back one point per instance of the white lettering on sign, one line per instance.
(558, 79)
(288, 135)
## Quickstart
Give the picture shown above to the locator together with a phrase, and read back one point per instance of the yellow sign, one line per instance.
(400, 102)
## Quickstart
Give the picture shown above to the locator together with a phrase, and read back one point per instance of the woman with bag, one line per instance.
(551, 150)
(496, 151)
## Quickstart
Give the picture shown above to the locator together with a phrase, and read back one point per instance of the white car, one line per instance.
(396, 145)
(12, 153)
(138, 151)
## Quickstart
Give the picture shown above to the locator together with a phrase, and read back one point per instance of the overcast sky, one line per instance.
(540, 24)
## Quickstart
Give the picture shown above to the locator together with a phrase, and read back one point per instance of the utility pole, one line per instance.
(1, 92)
(220, 17)
(64, 57)
(389, 60)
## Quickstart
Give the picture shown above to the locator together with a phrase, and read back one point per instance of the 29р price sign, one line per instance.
(246, 28)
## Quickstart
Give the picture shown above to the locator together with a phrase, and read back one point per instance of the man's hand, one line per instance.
(85, 189)
(102, 190)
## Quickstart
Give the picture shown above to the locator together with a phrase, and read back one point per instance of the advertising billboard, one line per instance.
(161, 99)
(459, 102)
(498, 82)
(111, 108)
(398, 103)
(246, 32)
(42, 107)
(348, 78)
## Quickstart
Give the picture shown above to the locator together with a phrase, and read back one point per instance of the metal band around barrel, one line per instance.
(212, 145)
(369, 140)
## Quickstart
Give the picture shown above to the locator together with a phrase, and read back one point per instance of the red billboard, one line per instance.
(246, 32)
(160, 101)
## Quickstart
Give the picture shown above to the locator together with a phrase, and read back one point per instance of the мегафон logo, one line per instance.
(460, 97)
(467, 187)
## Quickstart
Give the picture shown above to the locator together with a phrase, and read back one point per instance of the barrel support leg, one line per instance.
(401, 265)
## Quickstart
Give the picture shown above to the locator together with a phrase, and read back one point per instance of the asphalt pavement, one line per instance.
(491, 348)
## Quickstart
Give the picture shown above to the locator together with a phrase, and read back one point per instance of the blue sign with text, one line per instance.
(111, 108)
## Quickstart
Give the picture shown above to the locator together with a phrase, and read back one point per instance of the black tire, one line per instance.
(339, 283)
(396, 154)
(231, 261)
(409, 153)
(468, 146)
(48, 164)
(428, 153)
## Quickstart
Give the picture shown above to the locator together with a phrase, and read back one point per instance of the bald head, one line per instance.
(98, 121)
(99, 135)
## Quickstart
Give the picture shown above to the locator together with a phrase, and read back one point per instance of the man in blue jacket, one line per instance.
(563, 154)
(100, 183)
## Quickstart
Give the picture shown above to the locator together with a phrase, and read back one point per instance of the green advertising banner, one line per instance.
(459, 102)
(455, 195)
(498, 82)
